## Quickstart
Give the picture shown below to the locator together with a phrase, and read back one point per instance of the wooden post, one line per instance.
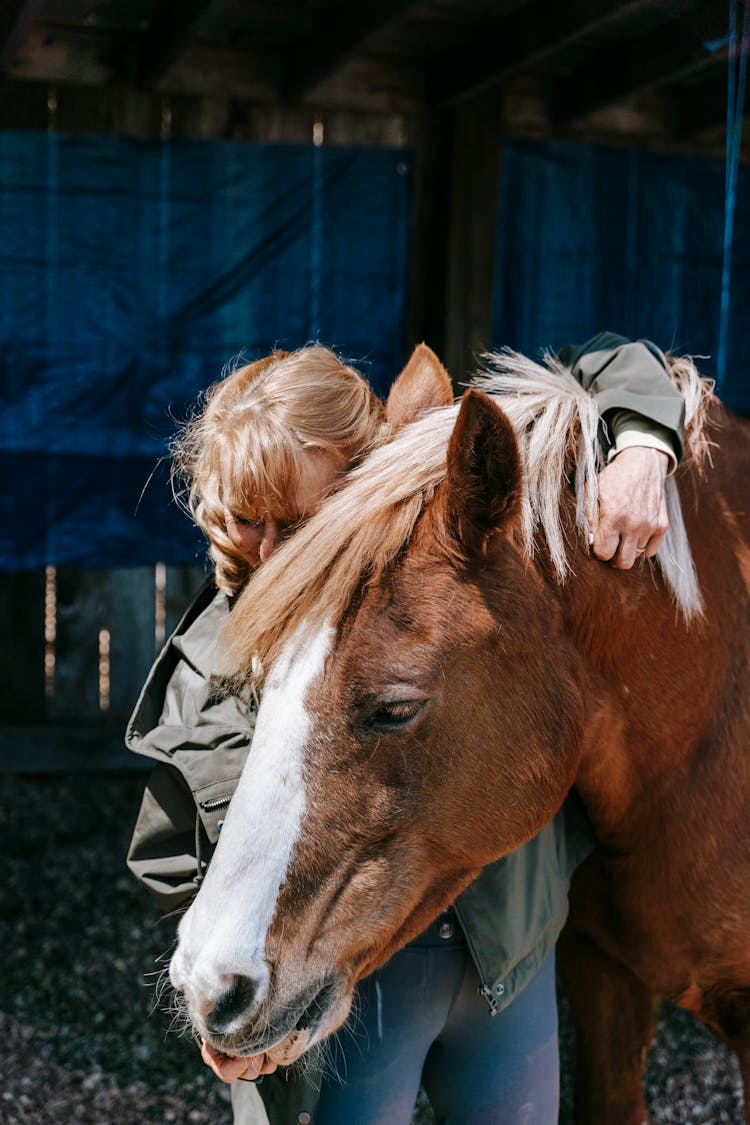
(472, 232)
(456, 178)
(428, 252)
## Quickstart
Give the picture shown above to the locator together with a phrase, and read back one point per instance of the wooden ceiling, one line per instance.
(652, 71)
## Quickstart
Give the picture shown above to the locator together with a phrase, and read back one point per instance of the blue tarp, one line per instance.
(594, 238)
(130, 273)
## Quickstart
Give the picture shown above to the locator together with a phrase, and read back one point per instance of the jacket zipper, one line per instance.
(207, 806)
(216, 803)
(484, 989)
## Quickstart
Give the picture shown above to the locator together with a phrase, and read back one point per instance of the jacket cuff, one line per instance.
(630, 377)
(630, 429)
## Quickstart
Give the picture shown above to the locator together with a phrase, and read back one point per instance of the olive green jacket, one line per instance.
(200, 742)
(511, 915)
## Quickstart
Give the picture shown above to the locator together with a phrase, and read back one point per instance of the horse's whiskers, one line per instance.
(180, 1022)
(329, 1068)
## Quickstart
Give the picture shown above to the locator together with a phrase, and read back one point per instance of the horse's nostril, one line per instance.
(232, 1003)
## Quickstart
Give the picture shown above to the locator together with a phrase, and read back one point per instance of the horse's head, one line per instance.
(419, 719)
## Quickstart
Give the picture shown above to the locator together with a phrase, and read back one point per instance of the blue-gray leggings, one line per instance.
(419, 1018)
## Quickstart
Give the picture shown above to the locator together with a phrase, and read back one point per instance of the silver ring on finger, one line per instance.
(640, 550)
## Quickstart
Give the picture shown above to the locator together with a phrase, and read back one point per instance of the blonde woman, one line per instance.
(262, 451)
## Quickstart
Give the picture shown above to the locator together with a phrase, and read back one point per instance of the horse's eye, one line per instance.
(394, 716)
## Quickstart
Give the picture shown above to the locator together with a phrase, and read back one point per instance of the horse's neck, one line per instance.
(653, 686)
(615, 765)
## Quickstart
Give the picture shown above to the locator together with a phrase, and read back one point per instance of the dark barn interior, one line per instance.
(182, 182)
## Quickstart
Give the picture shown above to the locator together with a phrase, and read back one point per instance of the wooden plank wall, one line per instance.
(102, 637)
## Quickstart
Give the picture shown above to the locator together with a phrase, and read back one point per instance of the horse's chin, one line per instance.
(290, 1049)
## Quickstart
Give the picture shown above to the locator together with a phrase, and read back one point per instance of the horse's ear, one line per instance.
(481, 494)
(423, 384)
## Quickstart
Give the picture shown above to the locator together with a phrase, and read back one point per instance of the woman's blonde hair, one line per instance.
(254, 425)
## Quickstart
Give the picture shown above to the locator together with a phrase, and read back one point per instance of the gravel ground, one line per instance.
(82, 1040)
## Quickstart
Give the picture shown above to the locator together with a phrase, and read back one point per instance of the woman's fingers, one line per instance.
(632, 516)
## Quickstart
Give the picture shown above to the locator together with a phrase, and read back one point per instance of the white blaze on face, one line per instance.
(224, 932)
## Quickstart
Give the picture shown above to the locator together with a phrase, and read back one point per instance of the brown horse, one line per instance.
(444, 660)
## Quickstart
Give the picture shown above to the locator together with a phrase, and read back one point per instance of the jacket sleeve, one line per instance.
(163, 854)
(180, 817)
(629, 379)
(200, 741)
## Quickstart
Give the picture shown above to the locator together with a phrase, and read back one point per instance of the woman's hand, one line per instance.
(632, 516)
(231, 1067)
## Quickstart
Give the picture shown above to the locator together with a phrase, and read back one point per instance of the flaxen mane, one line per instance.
(363, 526)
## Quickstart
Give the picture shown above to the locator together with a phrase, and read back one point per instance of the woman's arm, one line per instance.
(629, 378)
(643, 432)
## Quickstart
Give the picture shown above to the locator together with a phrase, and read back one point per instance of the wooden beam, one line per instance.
(162, 42)
(429, 138)
(471, 229)
(455, 178)
(701, 108)
(132, 112)
(533, 34)
(667, 54)
(339, 36)
(15, 19)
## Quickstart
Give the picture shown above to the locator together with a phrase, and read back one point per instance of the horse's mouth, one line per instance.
(312, 1016)
(286, 1039)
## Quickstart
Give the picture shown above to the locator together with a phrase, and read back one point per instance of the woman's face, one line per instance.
(256, 542)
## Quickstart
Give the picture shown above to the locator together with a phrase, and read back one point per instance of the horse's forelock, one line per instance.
(363, 526)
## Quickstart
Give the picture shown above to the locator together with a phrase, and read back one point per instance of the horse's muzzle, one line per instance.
(237, 1001)
(282, 1030)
